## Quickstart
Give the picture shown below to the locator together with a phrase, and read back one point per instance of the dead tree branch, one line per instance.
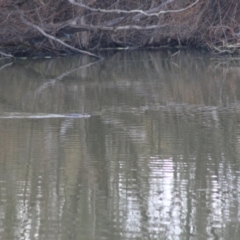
(145, 13)
(6, 55)
(74, 26)
(56, 39)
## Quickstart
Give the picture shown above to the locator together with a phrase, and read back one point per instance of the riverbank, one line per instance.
(47, 28)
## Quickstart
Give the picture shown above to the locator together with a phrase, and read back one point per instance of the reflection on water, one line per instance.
(157, 159)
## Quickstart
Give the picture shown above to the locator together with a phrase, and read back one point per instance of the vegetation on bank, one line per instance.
(39, 28)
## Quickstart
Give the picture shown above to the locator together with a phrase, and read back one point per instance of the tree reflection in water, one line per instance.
(158, 158)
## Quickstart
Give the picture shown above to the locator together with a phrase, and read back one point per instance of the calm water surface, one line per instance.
(159, 157)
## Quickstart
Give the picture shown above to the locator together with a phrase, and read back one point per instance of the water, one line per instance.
(157, 157)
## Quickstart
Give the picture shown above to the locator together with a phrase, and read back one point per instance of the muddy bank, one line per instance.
(47, 28)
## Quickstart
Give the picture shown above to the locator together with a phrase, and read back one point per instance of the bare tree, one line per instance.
(47, 27)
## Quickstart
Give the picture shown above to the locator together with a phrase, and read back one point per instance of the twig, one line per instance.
(118, 28)
(130, 11)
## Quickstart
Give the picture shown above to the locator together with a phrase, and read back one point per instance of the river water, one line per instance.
(158, 157)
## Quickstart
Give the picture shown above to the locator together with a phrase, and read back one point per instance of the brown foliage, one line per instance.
(97, 24)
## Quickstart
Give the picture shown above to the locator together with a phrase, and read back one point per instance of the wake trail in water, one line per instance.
(42, 116)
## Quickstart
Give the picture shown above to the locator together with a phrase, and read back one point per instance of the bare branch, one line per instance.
(56, 39)
(117, 28)
(6, 55)
(51, 26)
(99, 10)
